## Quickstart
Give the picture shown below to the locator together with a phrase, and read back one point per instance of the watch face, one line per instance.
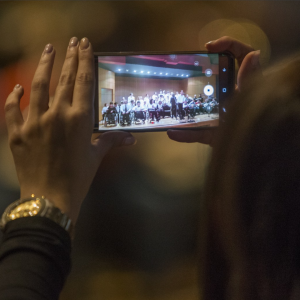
(29, 208)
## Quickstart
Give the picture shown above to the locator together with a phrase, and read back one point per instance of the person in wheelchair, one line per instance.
(111, 113)
(139, 112)
(152, 110)
(185, 107)
(166, 110)
(126, 109)
(159, 109)
(192, 109)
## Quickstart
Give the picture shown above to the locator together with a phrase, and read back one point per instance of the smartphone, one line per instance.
(156, 91)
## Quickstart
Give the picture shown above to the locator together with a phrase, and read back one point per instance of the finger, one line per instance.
(203, 136)
(39, 96)
(84, 84)
(13, 113)
(250, 67)
(65, 87)
(225, 43)
(109, 140)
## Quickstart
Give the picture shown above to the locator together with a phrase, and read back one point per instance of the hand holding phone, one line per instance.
(248, 61)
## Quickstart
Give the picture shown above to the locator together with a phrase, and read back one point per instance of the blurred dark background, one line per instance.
(137, 234)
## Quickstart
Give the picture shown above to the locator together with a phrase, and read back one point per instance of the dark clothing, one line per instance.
(111, 110)
(34, 259)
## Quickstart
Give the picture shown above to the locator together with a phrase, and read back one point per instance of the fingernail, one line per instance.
(48, 48)
(84, 43)
(17, 86)
(255, 58)
(209, 43)
(73, 42)
(129, 141)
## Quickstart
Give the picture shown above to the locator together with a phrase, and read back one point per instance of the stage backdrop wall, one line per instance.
(106, 80)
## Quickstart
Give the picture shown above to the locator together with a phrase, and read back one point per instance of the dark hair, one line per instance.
(250, 232)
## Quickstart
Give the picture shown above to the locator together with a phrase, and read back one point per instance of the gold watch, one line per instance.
(36, 206)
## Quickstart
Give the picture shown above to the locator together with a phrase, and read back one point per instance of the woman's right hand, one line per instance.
(248, 61)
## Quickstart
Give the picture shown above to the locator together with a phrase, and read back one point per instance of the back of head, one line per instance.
(250, 234)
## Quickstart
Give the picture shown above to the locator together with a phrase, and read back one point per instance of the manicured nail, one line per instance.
(255, 58)
(73, 42)
(209, 43)
(84, 43)
(48, 48)
(17, 87)
(129, 141)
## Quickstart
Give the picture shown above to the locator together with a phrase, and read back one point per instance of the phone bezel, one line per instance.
(230, 87)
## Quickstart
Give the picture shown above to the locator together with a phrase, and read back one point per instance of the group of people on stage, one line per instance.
(158, 106)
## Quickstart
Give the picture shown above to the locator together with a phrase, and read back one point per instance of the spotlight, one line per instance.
(126, 70)
(148, 72)
(119, 69)
(160, 73)
(134, 71)
(142, 71)
(166, 73)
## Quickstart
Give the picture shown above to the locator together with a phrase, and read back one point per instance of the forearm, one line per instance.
(34, 259)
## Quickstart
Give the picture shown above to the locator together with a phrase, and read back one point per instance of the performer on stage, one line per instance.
(125, 111)
(117, 107)
(160, 109)
(139, 111)
(180, 101)
(147, 98)
(111, 113)
(173, 102)
(154, 96)
(104, 109)
(152, 110)
(131, 97)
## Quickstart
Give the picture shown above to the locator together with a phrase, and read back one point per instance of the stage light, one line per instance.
(142, 71)
(181, 74)
(126, 70)
(154, 72)
(187, 75)
(119, 69)
(134, 71)
(160, 73)
(166, 73)
(177, 74)
(148, 72)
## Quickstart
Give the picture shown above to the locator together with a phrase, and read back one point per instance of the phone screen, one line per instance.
(153, 92)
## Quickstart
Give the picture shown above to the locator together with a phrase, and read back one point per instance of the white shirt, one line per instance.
(130, 98)
(146, 99)
(180, 99)
(176, 96)
(104, 109)
(125, 109)
(159, 106)
(138, 108)
(185, 105)
(152, 106)
(154, 97)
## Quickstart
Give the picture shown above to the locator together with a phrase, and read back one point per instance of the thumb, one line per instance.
(250, 67)
(109, 140)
